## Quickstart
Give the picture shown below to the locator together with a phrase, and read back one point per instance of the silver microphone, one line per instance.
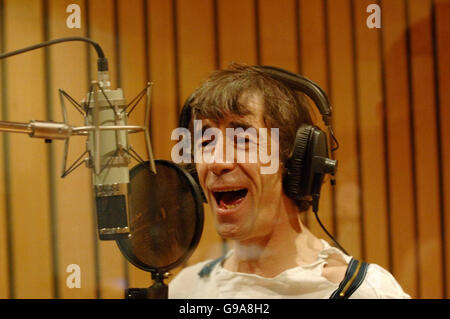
(105, 112)
(108, 152)
(109, 158)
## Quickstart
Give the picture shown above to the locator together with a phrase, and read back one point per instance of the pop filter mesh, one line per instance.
(166, 217)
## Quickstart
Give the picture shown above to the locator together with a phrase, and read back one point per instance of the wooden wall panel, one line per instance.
(111, 263)
(425, 149)
(442, 73)
(278, 41)
(4, 260)
(133, 75)
(74, 218)
(5, 241)
(342, 82)
(163, 73)
(314, 65)
(372, 138)
(162, 70)
(196, 60)
(388, 88)
(29, 192)
(399, 130)
(236, 32)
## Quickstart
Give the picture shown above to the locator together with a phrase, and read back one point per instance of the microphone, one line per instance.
(105, 113)
(110, 153)
(108, 158)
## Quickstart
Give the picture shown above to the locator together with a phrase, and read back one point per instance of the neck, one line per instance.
(289, 244)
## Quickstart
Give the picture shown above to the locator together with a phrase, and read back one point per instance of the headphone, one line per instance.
(310, 160)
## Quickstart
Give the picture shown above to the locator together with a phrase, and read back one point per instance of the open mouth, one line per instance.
(230, 198)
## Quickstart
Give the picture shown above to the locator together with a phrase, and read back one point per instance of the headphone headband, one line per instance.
(294, 81)
(303, 85)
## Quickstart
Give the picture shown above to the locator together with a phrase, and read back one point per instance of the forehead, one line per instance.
(254, 103)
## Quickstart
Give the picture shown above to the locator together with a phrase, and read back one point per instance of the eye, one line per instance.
(206, 143)
(242, 141)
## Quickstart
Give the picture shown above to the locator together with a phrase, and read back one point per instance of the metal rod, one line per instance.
(130, 128)
(16, 127)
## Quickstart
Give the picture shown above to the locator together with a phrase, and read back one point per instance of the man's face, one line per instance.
(244, 202)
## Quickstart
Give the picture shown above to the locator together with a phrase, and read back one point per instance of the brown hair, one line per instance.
(284, 108)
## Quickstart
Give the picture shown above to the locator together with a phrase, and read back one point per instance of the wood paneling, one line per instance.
(342, 88)
(133, 76)
(5, 239)
(314, 65)
(29, 185)
(426, 167)
(442, 74)
(236, 32)
(111, 265)
(399, 130)
(74, 217)
(388, 88)
(196, 60)
(370, 106)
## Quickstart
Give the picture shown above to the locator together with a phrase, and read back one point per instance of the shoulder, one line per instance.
(380, 284)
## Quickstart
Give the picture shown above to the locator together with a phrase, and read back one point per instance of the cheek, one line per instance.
(201, 173)
(272, 187)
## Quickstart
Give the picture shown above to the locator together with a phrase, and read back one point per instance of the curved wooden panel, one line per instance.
(388, 88)
(111, 264)
(29, 192)
(162, 70)
(196, 60)
(314, 65)
(372, 138)
(236, 32)
(74, 217)
(425, 149)
(4, 171)
(442, 67)
(278, 34)
(398, 122)
(342, 84)
(133, 78)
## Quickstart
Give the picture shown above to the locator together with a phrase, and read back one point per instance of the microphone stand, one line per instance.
(159, 290)
(50, 130)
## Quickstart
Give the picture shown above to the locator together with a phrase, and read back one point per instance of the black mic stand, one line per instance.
(159, 290)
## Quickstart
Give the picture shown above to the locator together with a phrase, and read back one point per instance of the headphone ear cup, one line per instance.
(297, 165)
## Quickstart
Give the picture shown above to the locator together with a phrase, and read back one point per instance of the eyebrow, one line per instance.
(242, 124)
(233, 124)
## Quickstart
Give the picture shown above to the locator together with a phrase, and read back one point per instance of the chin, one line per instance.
(229, 231)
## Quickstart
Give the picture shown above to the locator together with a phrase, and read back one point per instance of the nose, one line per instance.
(221, 168)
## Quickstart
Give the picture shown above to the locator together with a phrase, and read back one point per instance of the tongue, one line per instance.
(231, 198)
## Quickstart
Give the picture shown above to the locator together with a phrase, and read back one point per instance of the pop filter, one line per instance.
(166, 217)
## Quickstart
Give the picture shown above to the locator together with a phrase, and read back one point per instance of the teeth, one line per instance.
(230, 206)
(229, 190)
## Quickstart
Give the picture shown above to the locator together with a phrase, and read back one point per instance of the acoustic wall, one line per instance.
(389, 89)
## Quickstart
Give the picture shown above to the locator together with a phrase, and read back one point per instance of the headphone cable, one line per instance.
(329, 235)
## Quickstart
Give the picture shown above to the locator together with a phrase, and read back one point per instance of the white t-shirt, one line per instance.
(298, 282)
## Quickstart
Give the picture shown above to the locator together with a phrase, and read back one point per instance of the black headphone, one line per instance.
(310, 160)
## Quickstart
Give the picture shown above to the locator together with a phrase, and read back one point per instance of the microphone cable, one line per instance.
(102, 62)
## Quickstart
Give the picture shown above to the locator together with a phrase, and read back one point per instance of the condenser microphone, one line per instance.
(108, 158)
(105, 115)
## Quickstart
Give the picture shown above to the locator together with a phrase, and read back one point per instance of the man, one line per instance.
(274, 255)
